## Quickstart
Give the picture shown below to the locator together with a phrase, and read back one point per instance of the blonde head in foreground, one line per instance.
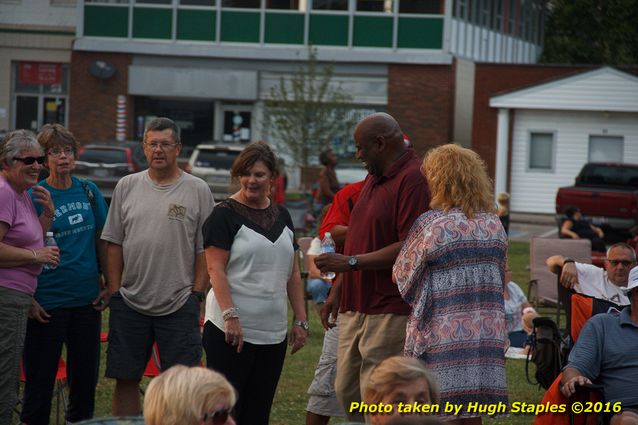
(397, 380)
(457, 177)
(188, 396)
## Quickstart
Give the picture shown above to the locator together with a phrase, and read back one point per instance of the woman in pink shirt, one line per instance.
(22, 253)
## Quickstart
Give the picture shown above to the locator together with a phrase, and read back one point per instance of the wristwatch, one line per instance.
(353, 262)
(568, 260)
(302, 323)
(201, 296)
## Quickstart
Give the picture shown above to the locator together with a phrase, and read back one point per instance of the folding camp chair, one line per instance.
(59, 392)
(543, 286)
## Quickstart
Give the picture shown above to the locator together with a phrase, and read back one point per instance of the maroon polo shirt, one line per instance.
(386, 209)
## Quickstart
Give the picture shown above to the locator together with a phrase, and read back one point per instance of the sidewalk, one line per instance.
(527, 218)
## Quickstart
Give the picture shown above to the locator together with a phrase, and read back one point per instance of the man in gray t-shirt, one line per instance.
(156, 267)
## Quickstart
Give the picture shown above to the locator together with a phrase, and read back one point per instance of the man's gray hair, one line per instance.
(161, 124)
(623, 245)
(15, 142)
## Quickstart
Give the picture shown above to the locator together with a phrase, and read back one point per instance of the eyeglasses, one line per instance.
(162, 146)
(28, 160)
(58, 152)
(625, 263)
(219, 417)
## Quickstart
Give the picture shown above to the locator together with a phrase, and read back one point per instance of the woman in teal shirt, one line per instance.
(63, 311)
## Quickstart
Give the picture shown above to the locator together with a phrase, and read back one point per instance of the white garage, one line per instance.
(548, 131)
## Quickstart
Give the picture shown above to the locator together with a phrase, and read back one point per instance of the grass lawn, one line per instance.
(291, 397)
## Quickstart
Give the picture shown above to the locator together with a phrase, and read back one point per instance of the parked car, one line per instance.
(350, 172)
(106, 163)
(607, 194)
(213, 163)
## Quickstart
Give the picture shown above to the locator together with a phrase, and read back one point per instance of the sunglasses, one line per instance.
(625, 263)
(28, 160)
(218, 417)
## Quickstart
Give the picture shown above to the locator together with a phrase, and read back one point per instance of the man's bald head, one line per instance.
(379, 142)
(380, 124)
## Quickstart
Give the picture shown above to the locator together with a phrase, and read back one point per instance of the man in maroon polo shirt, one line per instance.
(372, 314)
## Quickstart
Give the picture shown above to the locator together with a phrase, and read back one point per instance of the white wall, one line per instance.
(484, 45)
(535, 191)
(39, 13)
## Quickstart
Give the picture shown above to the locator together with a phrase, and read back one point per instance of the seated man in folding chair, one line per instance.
(593, 281)
(607, 353)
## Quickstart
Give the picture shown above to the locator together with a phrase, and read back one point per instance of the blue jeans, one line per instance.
(79, 329)
(318, 289)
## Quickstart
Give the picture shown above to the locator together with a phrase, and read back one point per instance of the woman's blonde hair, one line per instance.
(182, 395)
(394, 372)
(457, 177)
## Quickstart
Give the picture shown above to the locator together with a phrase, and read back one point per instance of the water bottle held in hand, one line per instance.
(327, 245)
(50, 241)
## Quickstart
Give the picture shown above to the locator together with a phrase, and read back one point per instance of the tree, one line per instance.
(591, 32)
(306, 112)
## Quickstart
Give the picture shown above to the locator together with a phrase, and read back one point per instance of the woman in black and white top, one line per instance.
(250, 252)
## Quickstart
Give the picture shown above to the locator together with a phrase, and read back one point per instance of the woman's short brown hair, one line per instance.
(257, 151)
(56, 135)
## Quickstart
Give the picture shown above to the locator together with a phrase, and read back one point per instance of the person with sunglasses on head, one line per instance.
(189, 396)
(156, 267)
(22, 252)
(593, 281)
(63, 312)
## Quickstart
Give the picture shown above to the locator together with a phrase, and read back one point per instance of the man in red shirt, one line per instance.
(372, 314)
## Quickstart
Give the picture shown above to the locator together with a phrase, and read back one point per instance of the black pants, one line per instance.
(254, 373)
(79, 329)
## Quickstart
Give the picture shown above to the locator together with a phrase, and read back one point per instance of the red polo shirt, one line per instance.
(386, 209)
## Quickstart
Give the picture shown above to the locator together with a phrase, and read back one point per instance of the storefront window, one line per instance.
(40, 91)
(236, 126)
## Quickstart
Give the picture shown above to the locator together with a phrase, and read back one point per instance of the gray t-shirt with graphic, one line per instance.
(159, 229)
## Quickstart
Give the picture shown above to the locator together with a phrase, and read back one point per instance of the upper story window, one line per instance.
(154, 1)
(383, 6)
(421, 6)
(197, 2)
(330, 4)
(108, 1)
(284, 4)
(244, 4)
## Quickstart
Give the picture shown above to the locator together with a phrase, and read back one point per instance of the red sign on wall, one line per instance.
(40, 73)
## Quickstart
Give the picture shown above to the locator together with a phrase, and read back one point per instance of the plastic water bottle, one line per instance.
(50, 241)
(327, 245)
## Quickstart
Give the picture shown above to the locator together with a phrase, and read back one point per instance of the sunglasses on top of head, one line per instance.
(28, 160)
(218, 417)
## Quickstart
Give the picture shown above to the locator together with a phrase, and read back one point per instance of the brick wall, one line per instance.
(421, 98)
(93, 102)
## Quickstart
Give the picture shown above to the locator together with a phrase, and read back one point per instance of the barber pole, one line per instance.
(120, 124)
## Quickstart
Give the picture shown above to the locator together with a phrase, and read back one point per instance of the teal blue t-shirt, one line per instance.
(74, 283)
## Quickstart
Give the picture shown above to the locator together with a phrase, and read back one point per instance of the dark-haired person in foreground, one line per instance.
(156, 266)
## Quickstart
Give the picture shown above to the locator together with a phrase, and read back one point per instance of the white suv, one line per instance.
(213, 163)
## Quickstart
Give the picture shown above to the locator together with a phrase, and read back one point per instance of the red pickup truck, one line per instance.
(606, 193)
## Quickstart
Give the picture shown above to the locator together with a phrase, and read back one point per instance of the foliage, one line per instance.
(306, 112)
(591, 32)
